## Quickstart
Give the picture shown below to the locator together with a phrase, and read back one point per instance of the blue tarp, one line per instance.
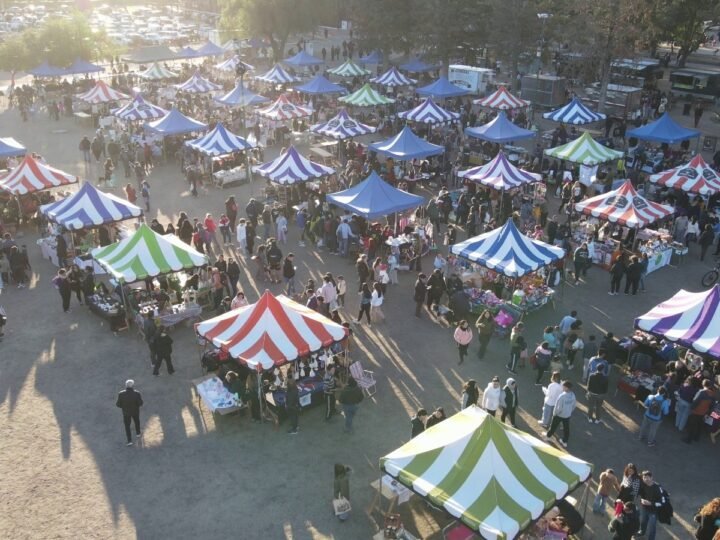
(46, 70)
(210, 49)
(406, 145)
(303, 59)
(499, 130)
(9, 147)
(664, 129)
(83, 66)
(320, 85)
(442, 88)
(417, 66)
(374, 197)
(374, 57)
(175, 123)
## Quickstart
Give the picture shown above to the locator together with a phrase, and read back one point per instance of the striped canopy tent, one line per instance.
(406, 146)
(31, 176)
(277, 75)
(102, 93)
(188, 52)
(429, 112)
(500, 130)
(197, 84)
(507, 251)
(219, 142)
(231, 63)
(392, 77)
(494, 478)
(500, 174)
(502, 100)
(663, 130)
(271, 332)
(625, 206)
(303, 59)
(690, 319)
(442, 88)
(147, 254)
(375, 57)
(139, 109)
(342, 126)
(157, 72)
(584, 150)
(320, 85)
(284, 109)
(9, 147)
(418, 66)
(175, 123)
(693, 177)
(291, 167)
(349, 69)
(210, 49)
(366, 96)
(374, 198)
(89, 207)
(575, 113)
(240, 96)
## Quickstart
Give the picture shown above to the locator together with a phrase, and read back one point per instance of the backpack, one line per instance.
(655, 408)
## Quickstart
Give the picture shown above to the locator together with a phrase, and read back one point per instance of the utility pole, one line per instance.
(607, 57)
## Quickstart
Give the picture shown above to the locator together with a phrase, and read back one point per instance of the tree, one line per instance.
(386, 26)
(685, 19)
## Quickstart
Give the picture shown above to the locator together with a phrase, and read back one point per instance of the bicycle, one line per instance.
(711, 277)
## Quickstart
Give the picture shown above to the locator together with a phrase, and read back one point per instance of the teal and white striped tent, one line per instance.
(584, 150)
(147, 254)
(366, 96)
(349, 69)
(494, 478)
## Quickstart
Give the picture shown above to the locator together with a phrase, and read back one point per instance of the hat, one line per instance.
(510, 381)
(129, 383)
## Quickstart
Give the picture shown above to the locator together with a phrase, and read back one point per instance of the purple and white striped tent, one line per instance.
(139, 109)
(429, 112)
(290, 168)
(342, 126)
(689, 319)
(197, 84)
(392, 77)
(500, 174)
(277, 75)
(219, 142)
(231, 63)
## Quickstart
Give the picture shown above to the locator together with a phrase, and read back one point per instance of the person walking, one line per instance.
(365, 301)
(581, 261)
(62, 284)
(330, 385)
(350, 398)
(510, 400)
(632, 273)
(485, 326)
(564, 407)
(363, 271)
(376, 301)
(289, 274)
(463, 337)
(606, 483)
(552, 393)
(617, 271)
(517, 345)
(163, 351)
(417, 423)
(651, 500)
(341, 488)
(292, 405)
(420, 293)
(597, 387)
(625, 525)
(492, 396)
(708, 520)
(470, 394)
(435, 418)
(656, 406)
(543, 358)
(150, 331)
(84, 147)
(130, 401)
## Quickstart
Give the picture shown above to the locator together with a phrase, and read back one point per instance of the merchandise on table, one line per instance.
(108, 308)
(216, 395)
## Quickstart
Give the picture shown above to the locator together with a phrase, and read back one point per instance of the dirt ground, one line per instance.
(66, 472)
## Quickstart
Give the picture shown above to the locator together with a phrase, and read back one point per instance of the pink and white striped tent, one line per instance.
(500, 174)
(284, 109)
(626, 207)
(31, 176)
(271, 332)
(502, 100)
(693, 177)
(102, 93)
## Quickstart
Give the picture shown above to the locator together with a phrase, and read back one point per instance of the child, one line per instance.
(341, 290)
(606, 482)
(224, 225)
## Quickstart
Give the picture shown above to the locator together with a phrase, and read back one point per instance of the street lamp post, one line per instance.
(240, 71)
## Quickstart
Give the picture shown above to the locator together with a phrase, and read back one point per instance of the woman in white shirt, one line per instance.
(376, 302)
(552, 393)
(491, 396)
(693, 231)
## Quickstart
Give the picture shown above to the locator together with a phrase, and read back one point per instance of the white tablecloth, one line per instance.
(216, 397)
(48, 250)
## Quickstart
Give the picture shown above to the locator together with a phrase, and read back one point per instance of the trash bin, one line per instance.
(686, 109)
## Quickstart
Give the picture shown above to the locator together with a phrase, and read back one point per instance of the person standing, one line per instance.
(685, 395)
(564, 407)
(363, 271)
(606, 483)
(492, 396)
(510, 395)
(365, 301)
(581, 261)
(130, 401)
(350, 398)
(436, 288)
(150, 331)
(62, 284)
(597, 387)
(163, 351)
(463, 337)
(702, 404)
(552, 393)
(470, 394)
(84, 147)
(329, 387)
(517, 345)
(651, 500)
(617, 271)
(543, 358)
(633, 272)
(485, 326)
(420, 293)
(341, 487)
(231, 211)
(417, 423)
(435, 418)
(289, 274)
(656, 406)
(292, 405)
(625, 525)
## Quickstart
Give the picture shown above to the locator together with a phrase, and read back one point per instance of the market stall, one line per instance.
(221, 142)
(102, 93)
(696, 176)
(497, 480)
(240, 96)
(139, 109)
(393, 78)
(366, 96)
(342, 126)
(216, 396)
(277, 75)
(502, 100)
(429, 112)
(197, 84)
(574, 113)
(349, 69)
(9, 147)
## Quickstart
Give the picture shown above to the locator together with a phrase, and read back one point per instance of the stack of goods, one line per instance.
(106, 304)
(481, 300)
(216, 395)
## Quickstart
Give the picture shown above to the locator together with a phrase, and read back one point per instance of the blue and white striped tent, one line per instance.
(429, 112)
(574, 113)
(500, 174)
(392, 77)
(241, 96)
(342, 126)
(277, 75)
(139, 109)
(231, 63)
(197, 84)
(219, 142)
(290, 168)
(9, 147)
(507, 251)
(89, 207)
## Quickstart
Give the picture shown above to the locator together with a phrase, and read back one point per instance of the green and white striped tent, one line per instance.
(584, 150)
(494, 478)
(366, 96)
(349, 69)
(147, 254)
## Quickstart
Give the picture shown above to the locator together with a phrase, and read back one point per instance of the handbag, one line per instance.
(341, 505)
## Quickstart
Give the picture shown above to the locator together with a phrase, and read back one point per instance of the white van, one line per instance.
(475, 79)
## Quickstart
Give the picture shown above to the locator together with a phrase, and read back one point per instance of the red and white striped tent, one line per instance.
(626, 207)
(31, 176)
(693, 177)
(284, 109)
(271, 332)
(502, 100)
(102, 93)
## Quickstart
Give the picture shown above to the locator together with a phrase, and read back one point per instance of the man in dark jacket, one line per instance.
(420, 293)
(511, 401)
(130, 402)
(292, 405)
(597, 387)
(651, 500)
(163, 351)
(289, 274)
(624, 526)
(633, 273)
(417, 423)
(436, 287)
(350, 397)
